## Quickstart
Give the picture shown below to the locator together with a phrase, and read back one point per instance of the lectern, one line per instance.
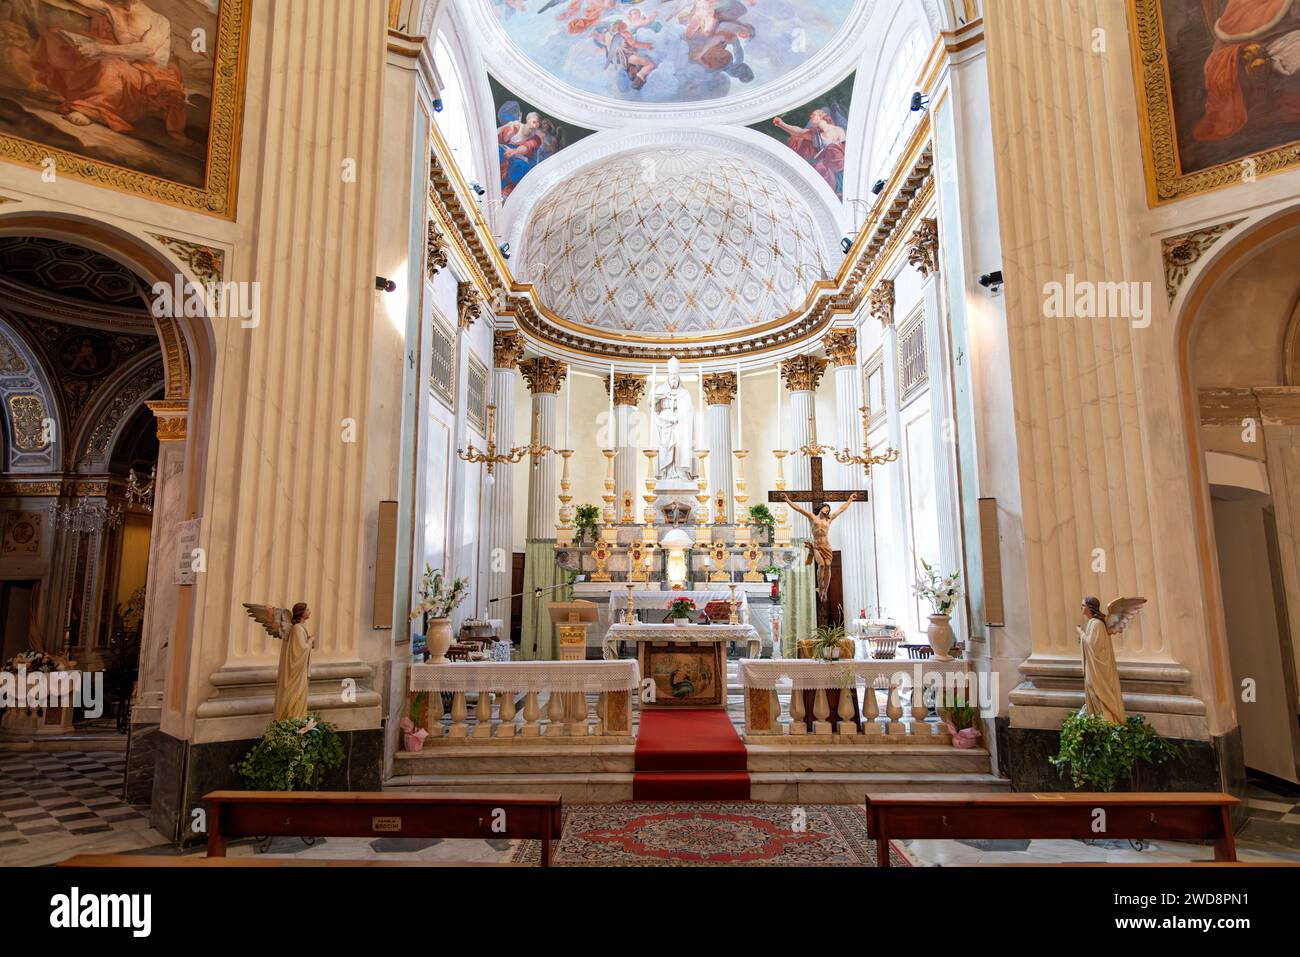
(572, 619)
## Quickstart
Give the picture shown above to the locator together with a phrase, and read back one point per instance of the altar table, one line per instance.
(685, 664)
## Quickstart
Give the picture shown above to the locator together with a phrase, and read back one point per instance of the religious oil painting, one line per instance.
(526, 136)
(684, 677)
(671, 51)
(818, 131)
(1220, 90)
(142, 96)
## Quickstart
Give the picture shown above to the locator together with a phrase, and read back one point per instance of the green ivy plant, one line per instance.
(1098, 754)
(587, 519)
(760, 516)
(294, 755)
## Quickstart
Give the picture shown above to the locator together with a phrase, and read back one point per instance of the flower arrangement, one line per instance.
(681, 607)
(294, 754)
(438, 598)
(940, 590)
(34, 661)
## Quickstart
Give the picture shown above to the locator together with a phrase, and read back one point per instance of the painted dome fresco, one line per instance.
(670, 51)
(670, 243)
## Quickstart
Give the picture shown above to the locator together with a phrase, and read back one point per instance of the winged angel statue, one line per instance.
(296, 643)
(1101, 691)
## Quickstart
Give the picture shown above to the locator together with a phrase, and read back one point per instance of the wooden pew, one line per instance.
(381, 814)
(1185, 816)
(153, 861)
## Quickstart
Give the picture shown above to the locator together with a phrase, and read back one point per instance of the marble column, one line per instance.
(629, 390)
(895, 579)
(802, 375)
(719, 394)
(853, 533)
(507, 350)
(545, 377)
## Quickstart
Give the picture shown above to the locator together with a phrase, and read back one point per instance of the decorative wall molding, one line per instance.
(436, 253)
(881, 302)
(469, 305)
(923, 247)
(27, 416)
(206, 262)
(1267, 405)
(1181, 253)
(173, 419)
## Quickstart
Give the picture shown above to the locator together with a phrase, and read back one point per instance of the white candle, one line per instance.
(653, 380)
(740, 411)
(779, 418)
(699, 413)
(568, 405)
(613, 432)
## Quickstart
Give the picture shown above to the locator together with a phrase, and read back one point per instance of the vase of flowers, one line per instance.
(942, 592)
(438, 598)
(680, 610)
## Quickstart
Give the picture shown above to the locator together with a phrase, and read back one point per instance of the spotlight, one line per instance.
(919, 101)
(477, 187)
(385, 285)
(846, 244)
(504, 249)
(437, 104)
(992, 281)
(877, 187)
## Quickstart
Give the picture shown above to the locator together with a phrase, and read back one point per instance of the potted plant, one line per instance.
(829, 644)
(586, 520)
(438, 598)
(761, 517)
(772, 573)
(680, 609)
(295, 754)
(961, 717)
(942, 592)
(1098, 754)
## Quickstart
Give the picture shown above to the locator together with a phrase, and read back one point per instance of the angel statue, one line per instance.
(1101, 691)
(290, 627)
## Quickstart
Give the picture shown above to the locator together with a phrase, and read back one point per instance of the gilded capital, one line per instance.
(882, 302)
(507, 349)
(543, 374)
(173, 418)
(469, 304)
(628, 389)
(802, 373)
(719, 388)
(435, 260)
(923, 247)
(842, 346)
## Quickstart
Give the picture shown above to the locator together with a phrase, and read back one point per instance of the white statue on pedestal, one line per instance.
(672, 419)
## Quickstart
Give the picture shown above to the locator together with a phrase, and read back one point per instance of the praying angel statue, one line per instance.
(296, 643)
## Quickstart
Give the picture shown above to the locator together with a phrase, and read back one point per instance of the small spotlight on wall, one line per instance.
(919, 101)
(385, 285)
(846, 244)
(992, 281)
(477, 187)
(437, 105)
(877, 187)
(504, 249)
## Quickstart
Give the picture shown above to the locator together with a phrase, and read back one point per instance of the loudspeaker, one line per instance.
(385, 566)
(991, 559)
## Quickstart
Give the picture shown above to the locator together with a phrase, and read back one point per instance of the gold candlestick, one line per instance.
(734, 619)
(782, 531)
(564, 530)
(702, 489)
(648, 517)
(629, 617)
(609, 496)
(742, 500)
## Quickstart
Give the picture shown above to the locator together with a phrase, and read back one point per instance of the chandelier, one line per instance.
(814, 449)
(82, 515)
(140, 491)
(492, 458)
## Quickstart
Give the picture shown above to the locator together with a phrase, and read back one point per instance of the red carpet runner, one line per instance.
(689, 755)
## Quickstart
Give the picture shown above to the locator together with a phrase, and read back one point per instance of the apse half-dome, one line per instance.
(672, 243)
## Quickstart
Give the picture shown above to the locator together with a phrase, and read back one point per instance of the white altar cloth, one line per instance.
(593, 677)
(697, 634)
(806, 673)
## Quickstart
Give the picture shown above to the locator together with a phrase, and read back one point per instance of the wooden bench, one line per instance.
(1187, 816)
(156, 861)
(381, 814)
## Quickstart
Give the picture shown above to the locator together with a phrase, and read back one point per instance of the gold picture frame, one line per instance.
(219, 193)
(1167, 180)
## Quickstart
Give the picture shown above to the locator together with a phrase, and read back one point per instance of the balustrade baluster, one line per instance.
(870, 707)
(919, 710)
(894, 707)
(821, 712)
(577, 723)
(483, 716)
(459, 715)
(532, 712)
(506, 708)
(797, 725)
(555, 711)
(774, 708)
(848, 698)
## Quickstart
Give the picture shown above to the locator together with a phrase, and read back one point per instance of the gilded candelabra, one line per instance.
(742, 500)
(609, 496)
(564, 530)
(866, 459)
(492, 458)
(781, 534)
(648, 516)
(702, 488)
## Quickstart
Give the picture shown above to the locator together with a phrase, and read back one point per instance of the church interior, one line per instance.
(650, 433)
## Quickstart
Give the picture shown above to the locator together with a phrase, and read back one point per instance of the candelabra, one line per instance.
(630, 616)
(866, 459)
(734, 619)
(564, 530)
(781, 534)
(81, 515)
(702, 488)
(813, 449)
(609, 515)
(649, 514)
(492, 458)
(140, 492)
(742, 499)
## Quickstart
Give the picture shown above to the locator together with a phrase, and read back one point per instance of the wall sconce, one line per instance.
(676, 543)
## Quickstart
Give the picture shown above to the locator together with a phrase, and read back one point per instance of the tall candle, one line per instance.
(653, 380)
(740, 410)
(613, 432)
(568, 404)
(779, 418)
(699, 413)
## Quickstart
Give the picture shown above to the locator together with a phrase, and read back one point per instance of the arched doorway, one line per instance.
(1243, 410)
(122, 467)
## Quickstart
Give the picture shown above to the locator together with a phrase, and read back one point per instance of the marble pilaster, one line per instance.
(801, 376)
(545, 377)
(853, 533)
(719, 394)
(501, 493)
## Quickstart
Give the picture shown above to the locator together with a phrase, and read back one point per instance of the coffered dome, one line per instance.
(671, 243)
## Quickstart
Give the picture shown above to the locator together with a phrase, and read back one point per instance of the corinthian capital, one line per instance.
(802, 373)
(882, 302)
(507, 349)
(923, 247)
(842, 346)
(719, 388)
(628, 389)
(543, 374)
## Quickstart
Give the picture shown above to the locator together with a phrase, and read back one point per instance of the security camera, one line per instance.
(437, 105)
(919, 102)
(504, 249)
(992, 281)
(477, 187)
(846, 244)
(385, 285)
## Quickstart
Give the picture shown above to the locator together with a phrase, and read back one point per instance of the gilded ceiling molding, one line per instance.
(719, 388)
(923, 247)
(881, 302)
(469, 305)
(628, 389)
(1181, 253)
(173, 419)
(27, 423)
(436, 258)
(507, 349)
(842, 346)
(543, 374)
(206, 262)
(803, 373)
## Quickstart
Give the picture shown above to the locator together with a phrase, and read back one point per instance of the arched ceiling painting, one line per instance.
(670, 51)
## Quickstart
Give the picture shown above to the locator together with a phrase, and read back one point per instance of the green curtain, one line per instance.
(798, 601)
(539, 640)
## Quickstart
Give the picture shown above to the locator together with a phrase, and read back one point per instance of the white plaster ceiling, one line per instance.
(665, 243)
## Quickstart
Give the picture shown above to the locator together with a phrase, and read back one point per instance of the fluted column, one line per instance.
(719, 394)
(852, 533)
(801, 375)
(544, 377)
(507, 349)
(629, 390)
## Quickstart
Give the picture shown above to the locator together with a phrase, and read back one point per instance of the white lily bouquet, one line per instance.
(439, 596)
(940, 590)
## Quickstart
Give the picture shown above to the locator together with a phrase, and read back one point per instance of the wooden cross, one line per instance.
(818, 493)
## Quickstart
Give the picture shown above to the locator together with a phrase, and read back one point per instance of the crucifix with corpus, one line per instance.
(820, 497)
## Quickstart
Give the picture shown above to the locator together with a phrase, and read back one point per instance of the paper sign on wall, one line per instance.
(187, 534)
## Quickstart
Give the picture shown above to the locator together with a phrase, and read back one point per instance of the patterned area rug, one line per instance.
(711, 834)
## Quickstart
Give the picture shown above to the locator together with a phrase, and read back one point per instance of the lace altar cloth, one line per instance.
(592, 677)
(805, 673)
(698, 634)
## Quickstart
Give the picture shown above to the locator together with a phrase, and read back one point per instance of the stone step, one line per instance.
(578, 788)
(848, 758)
(515, 757)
